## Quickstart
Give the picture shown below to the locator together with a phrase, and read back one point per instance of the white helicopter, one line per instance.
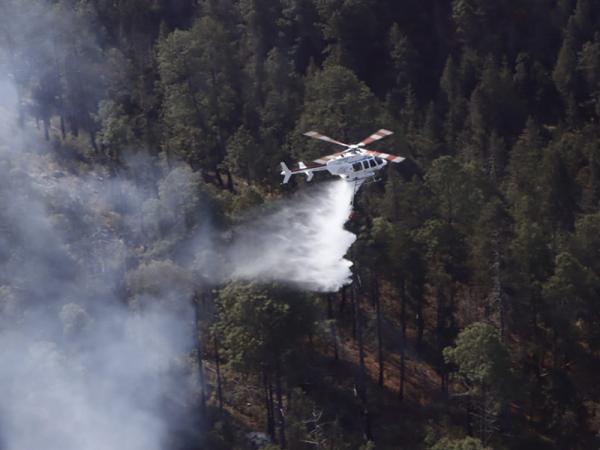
(355, 164)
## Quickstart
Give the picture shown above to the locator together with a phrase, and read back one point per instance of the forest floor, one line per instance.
(393, 420)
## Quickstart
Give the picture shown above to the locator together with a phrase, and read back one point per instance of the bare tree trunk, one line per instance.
(343, 300)
(290, 395)
(229, 180)
(63, 131)
(440, 341)
(380, 358)
(444, 381)
(269, 406)
(215, 91)
(486, 416)
(219, 177)
(218, 366)
(93, 140)
(332, 327)
(498, 286)
(11, 52)
(402, 337)
(61, 102)
(46, 129)
(362, 380)
(495, 301)
(354, 311)
(199, 351)
(536, 359)
(420, 322)
(438, 331)
(280, 415)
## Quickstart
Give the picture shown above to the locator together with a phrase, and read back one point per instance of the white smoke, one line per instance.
(80, 369)
(303, 242)
(100, 390)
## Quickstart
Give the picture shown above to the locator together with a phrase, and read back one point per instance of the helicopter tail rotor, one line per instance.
(286, 172)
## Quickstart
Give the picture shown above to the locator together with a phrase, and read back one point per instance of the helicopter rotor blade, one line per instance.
(386, 156)
(375, 137)
(316, 135)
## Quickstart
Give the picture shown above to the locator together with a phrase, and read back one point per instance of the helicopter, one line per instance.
(355, 164)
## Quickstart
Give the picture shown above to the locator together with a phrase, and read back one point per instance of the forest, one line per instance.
(139, 137)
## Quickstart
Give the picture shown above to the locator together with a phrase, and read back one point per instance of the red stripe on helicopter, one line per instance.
(376, 136)
(387, 156)
(309, 166)
(323, 160)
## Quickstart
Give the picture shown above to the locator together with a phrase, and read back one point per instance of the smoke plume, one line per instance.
(96, 281)
(82, 370)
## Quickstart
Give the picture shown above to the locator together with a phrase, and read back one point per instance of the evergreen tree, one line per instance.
(200, 82)
(263, 331)
(335, 102)
(483, 364)
(589, 66)
(564, 74)
(468, 443)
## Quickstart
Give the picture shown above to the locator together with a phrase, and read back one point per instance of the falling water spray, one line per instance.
(302, 242)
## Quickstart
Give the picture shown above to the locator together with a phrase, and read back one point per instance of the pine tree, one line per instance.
(589, 66)
(483, 364)
(262, 332)
(336, 103)
(200, 82)
(564, 74)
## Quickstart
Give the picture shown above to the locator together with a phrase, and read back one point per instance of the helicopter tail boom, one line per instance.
(302, 168)
(286, 172)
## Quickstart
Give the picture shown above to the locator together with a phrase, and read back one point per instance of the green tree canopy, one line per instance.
(338, 104)
(482, 359)
(262, 327)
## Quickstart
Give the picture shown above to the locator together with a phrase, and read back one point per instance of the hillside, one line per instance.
(161, 289)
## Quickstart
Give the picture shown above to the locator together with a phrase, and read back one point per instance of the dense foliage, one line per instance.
(473, 320)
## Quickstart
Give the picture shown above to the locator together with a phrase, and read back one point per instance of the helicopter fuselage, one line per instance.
(355, 167)
(355, 164)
